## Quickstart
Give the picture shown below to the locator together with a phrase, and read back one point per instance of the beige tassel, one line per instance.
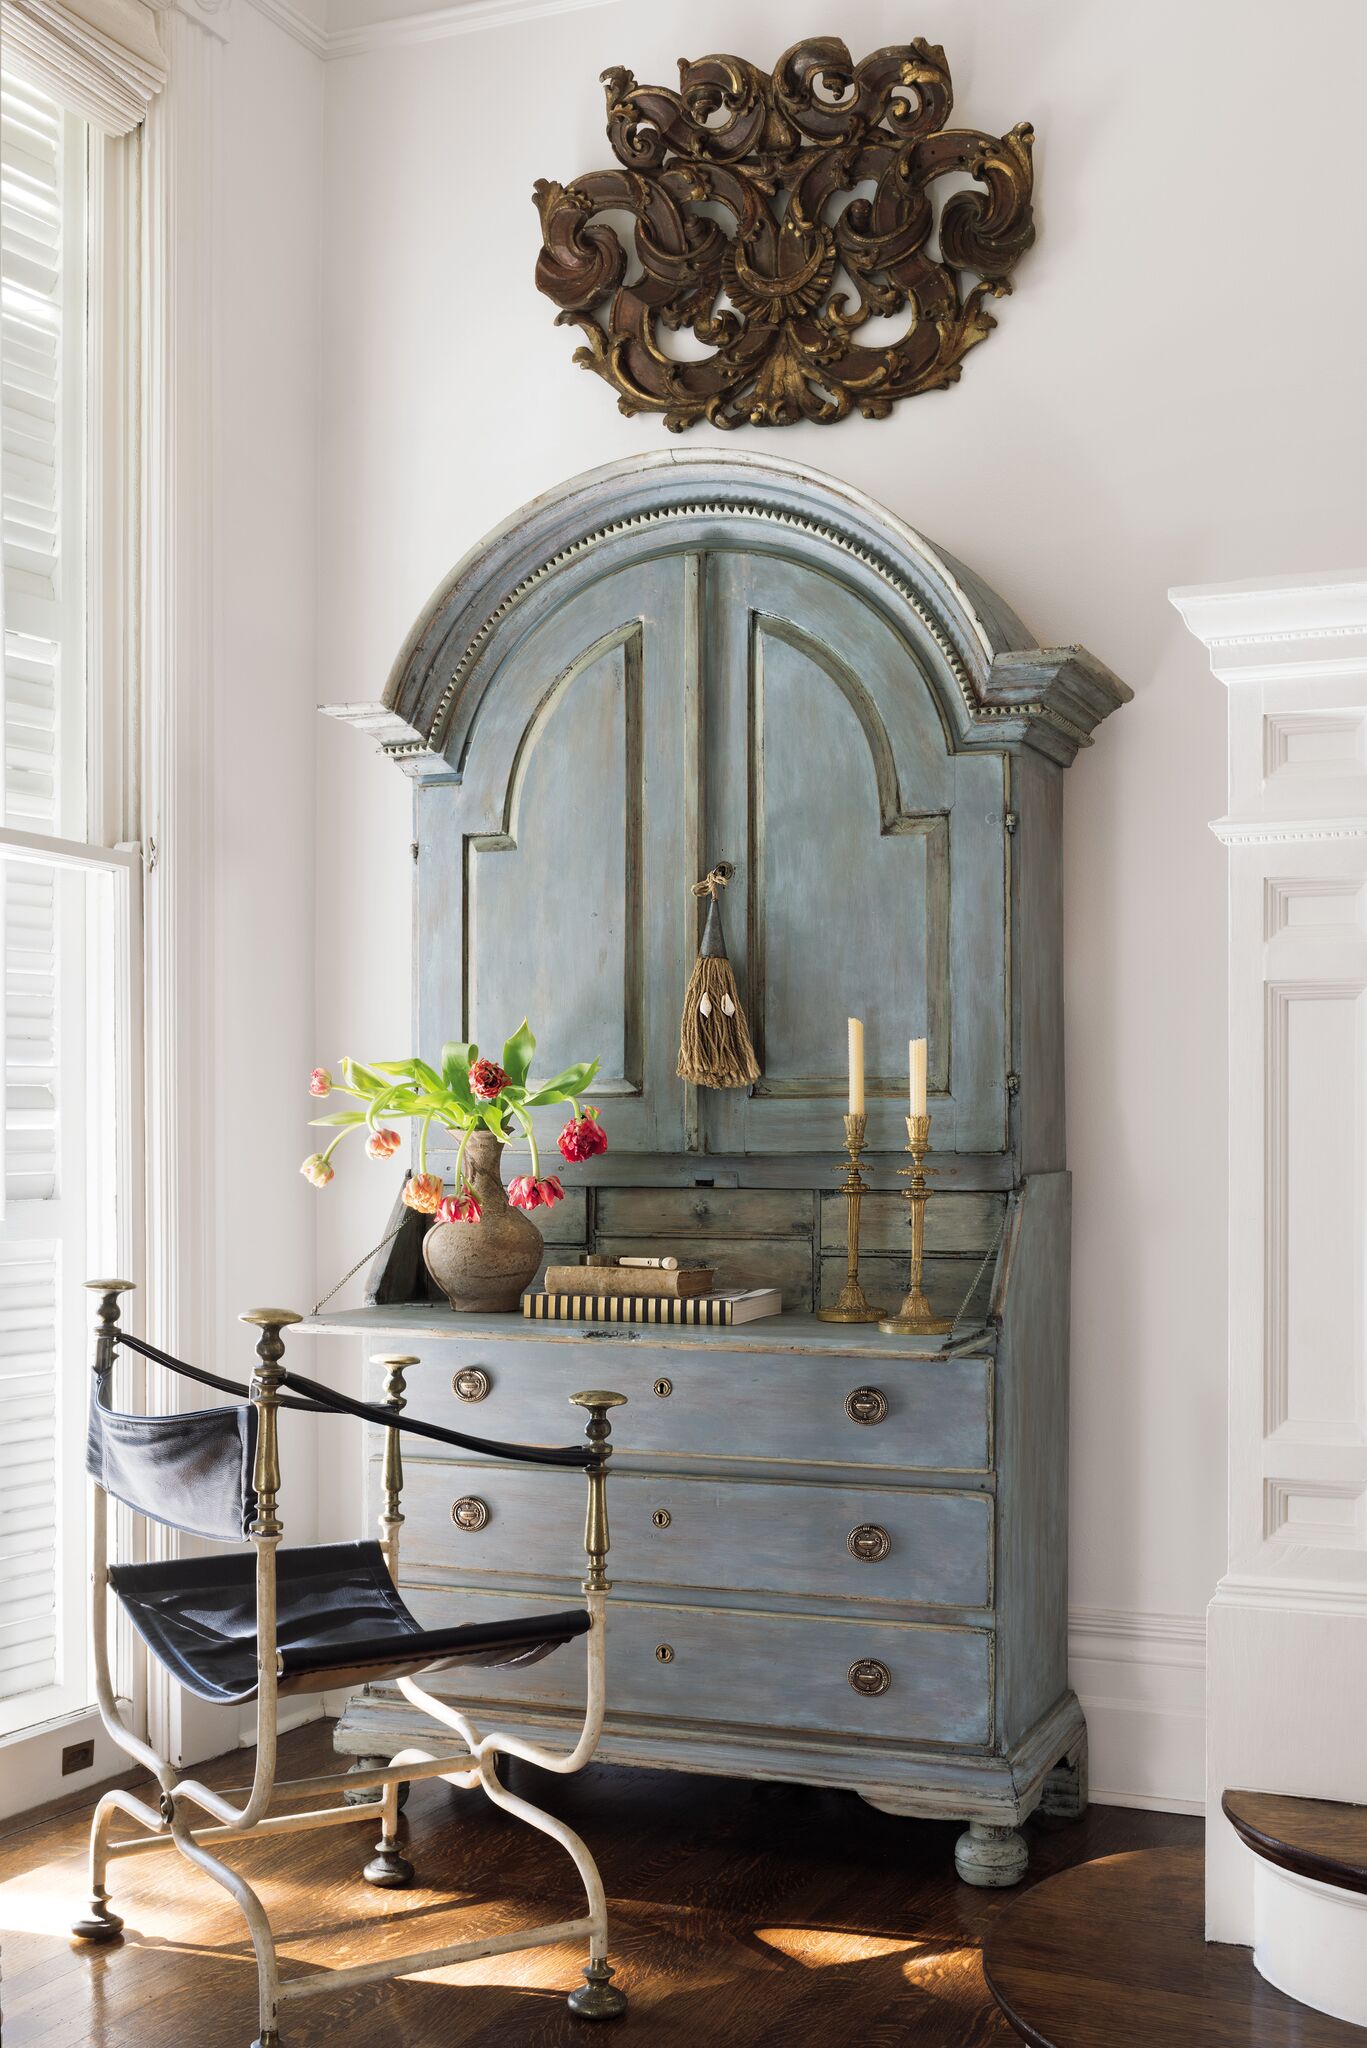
(714, 1038)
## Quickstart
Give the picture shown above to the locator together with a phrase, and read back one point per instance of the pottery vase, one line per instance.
(485, 1265)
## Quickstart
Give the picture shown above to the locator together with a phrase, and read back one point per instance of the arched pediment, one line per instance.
(992, 686)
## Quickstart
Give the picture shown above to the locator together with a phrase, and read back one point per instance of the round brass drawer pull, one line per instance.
(869, 1677)
(470, 1512)
(869, 1543)
(470, 1384)
(664, 1653)
(664, 1388)
(662, 1518)
(866, 1404)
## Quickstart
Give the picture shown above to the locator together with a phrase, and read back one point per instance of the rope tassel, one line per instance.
(714, 1039)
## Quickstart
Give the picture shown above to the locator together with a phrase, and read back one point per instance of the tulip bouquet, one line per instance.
(469, 1094)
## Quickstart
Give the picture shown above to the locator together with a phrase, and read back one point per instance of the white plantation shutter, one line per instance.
(46, 906)
(40, 352)
(31, 138)
(31, 1070)
(31, 1551)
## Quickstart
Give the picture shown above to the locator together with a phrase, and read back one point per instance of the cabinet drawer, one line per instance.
(906, 1545)
(746, 1669)
(683, 1214)
(934, 1414)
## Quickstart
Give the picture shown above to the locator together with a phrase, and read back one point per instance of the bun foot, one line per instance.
(99, 1923)
(387, 1869)
(598, 1998)
(991, 1856)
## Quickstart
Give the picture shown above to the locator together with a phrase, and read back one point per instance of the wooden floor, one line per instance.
(743, 1917)
(1113, 1954)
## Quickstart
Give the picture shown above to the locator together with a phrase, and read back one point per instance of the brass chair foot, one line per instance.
(99, 1923)
(598, 1998)
(387, 1869)
(270, 2039)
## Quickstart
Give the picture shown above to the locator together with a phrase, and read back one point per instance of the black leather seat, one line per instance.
(339, 1622)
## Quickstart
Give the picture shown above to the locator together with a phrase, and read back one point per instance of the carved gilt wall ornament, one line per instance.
(775, 216)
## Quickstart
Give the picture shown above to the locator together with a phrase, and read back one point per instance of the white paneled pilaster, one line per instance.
(1287, 1634)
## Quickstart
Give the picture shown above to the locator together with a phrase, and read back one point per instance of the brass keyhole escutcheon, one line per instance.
(664, 1653)
(866, 1404)
(869, 1543)
(869, 1677)
(664, 1388)
(662, 1518)
(470, 1512)
(470, 1384)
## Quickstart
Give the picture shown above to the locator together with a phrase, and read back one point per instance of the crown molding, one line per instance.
(296, 23)
(356, 28)
(1280, 628)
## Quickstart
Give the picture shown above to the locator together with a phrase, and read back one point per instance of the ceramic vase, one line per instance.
(485, 1265)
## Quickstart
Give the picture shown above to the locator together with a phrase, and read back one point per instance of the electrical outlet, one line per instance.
(78, 1756)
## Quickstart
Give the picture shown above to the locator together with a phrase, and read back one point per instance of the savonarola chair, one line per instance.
(261, 1624)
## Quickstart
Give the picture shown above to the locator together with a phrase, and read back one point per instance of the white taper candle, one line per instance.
(916, 1048)
(856, 1067)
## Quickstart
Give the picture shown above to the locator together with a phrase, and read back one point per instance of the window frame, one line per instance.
(100, 463)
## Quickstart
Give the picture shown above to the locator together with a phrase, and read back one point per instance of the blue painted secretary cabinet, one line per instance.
(662, 665)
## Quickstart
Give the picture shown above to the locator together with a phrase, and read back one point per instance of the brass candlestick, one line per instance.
(913, 1318)
(853, 1305)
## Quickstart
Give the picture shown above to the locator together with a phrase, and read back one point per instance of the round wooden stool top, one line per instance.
(1112, 1954)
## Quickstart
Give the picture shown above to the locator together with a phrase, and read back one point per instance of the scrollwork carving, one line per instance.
(774, 216)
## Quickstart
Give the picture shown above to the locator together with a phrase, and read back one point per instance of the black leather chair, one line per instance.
(257, 1625)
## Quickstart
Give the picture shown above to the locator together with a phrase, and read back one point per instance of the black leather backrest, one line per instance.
(192, 1471)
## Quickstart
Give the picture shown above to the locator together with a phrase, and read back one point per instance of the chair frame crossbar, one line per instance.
(246, 1814)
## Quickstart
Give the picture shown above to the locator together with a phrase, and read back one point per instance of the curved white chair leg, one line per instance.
(99, 1924)
(598, 1998)
(258, 1926)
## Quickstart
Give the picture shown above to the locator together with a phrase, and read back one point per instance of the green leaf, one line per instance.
(456, 1062)
(429, 1076)
(407, 1070)
(573, 1081)
(492, 1119)
(517, 1053)
(339, 1116)
(365, 1080)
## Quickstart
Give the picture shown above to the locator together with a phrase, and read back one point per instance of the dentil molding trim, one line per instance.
(1278, 628)
(1285, 831)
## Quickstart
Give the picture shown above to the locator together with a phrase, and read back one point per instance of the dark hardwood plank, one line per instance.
(1114, 1955)
(1320, 1838)
(746, 1915)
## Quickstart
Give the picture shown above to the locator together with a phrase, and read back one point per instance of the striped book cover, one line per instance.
(711, 1310)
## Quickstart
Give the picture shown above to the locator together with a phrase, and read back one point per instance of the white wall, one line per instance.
(1165, 401)
(268, 277)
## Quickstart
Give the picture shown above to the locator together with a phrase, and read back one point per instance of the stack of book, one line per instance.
(656, 1290)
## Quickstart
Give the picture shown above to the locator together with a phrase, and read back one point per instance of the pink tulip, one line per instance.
(525, 1193)
(423, 1192)
(459, 1209)
(382, 1144)
(550, 1190)
(320, 1082)
(318, 1170)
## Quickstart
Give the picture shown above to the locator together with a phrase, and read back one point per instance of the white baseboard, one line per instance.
(1141, 1679)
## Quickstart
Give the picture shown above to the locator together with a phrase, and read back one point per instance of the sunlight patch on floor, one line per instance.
(819, 1948)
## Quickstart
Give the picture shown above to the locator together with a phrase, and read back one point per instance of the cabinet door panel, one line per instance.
(550, 877)
(871, 866)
